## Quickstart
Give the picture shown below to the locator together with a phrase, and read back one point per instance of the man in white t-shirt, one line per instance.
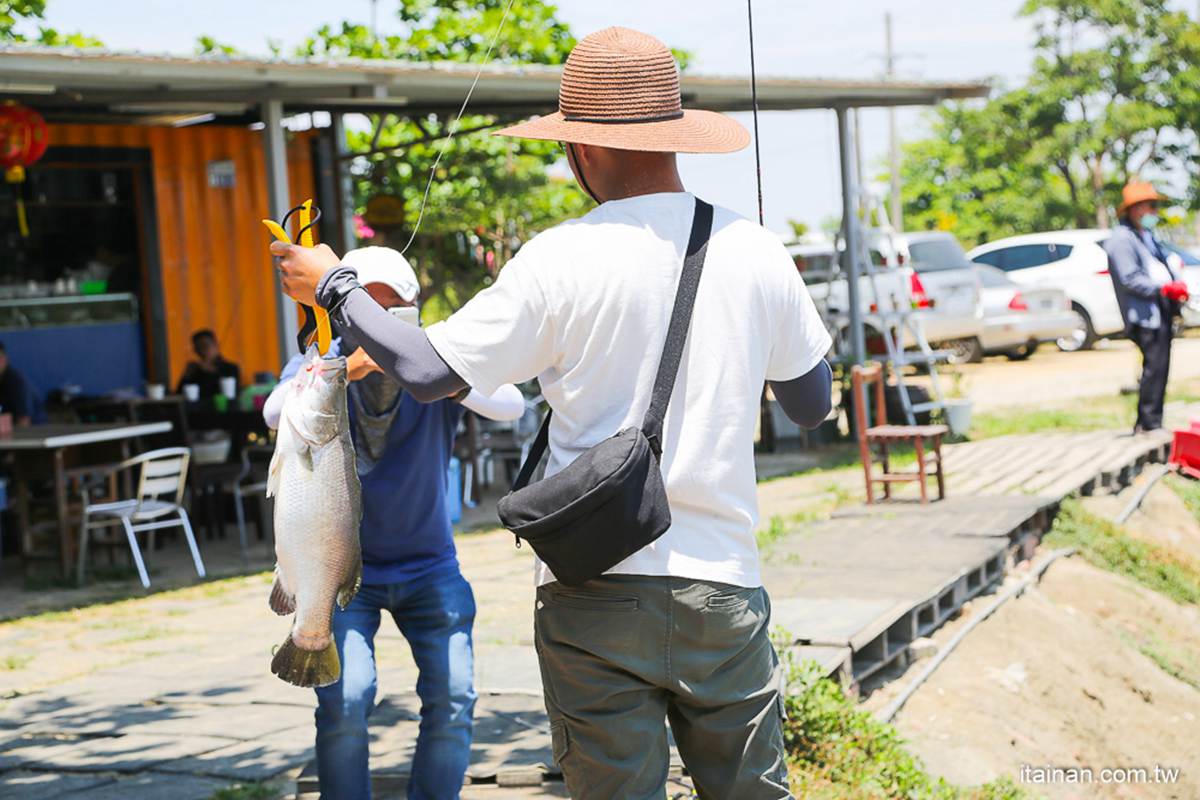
(679, 630)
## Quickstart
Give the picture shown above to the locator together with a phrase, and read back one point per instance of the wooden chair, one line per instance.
(882, 435)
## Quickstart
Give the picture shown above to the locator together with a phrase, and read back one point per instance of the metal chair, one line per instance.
(162, 479)
(250, 484)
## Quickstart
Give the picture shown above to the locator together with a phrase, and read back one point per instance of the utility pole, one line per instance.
(893, 144)
(861, 205)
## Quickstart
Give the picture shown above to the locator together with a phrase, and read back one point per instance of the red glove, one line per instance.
(1175, 290)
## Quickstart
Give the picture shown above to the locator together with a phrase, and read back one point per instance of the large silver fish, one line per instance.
(318, 507)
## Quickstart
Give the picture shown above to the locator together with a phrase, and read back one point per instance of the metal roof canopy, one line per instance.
(131, 83)
(92, 84)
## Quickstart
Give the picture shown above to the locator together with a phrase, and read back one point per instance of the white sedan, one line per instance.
(1016, 318)
(1187, 265)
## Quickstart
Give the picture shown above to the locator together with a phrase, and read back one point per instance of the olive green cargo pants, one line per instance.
(623, 653)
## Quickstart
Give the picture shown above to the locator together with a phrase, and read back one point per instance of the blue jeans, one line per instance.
(435, 614)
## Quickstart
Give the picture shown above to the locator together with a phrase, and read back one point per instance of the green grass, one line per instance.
(839, 752)
(15, 662)
(1107, 412)
(1107, 545)
(1042, 420)
(1171, 662)
(776, 528)
(247, 791)
(779, 526)
(1188, 491)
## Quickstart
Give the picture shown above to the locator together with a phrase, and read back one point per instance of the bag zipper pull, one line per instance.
(517, 539)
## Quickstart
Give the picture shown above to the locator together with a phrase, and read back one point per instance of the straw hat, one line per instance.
(620, 89)
(1136, 192)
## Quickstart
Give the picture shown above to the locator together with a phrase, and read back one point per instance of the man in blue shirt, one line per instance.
(410, 568)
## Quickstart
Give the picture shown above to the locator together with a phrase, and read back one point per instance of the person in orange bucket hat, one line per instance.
(1149, 293)
(678, 629)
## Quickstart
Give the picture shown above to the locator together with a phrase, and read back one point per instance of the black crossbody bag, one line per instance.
(610, 502)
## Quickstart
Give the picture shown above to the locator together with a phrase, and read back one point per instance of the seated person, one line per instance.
(209, 367)
(18, 396)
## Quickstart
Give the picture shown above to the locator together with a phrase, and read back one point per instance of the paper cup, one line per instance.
(191, 391)
(155, 391)
(229, 387)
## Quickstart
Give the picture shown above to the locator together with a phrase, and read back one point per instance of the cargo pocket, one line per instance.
(560, 741)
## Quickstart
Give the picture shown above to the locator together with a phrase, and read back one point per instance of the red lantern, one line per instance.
(23, 140)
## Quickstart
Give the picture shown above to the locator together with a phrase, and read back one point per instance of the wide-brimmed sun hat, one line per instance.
(384, 265)
(620, 89)
(1137, 192)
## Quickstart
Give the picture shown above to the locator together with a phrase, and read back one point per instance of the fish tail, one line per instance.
(350, 588)
(310, 668)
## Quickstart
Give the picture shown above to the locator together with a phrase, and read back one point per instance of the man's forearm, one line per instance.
(401, 350)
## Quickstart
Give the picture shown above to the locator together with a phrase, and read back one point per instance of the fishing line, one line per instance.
(454, 126)
(754, 103)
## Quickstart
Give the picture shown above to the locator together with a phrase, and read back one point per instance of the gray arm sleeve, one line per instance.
(1126, 269)
(808, 399)
(401, 350)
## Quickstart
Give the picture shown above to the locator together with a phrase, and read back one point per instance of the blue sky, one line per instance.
(934, 39)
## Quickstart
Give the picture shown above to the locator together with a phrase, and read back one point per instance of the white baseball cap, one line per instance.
(384, 265)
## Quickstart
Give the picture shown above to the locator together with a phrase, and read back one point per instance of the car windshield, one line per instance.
(935, 255)
(1188, 257)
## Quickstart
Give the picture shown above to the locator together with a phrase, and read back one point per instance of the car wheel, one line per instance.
(1084, 335)
(964, 351)
(1024, 351)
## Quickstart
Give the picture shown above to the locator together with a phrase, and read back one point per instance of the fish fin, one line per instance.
(282, 602)
(350, 588)
(287, 441)
(308, 668)
(273, 472)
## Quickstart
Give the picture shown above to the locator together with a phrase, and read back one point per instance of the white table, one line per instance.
(55, 440)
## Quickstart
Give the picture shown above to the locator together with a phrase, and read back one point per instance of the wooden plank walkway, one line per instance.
(1052, 465)
(855, 590)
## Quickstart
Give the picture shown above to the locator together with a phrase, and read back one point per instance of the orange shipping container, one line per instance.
(215, 270)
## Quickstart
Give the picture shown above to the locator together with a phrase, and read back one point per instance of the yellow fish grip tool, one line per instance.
(316, 319)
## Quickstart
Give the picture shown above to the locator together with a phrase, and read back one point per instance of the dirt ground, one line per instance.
(998, 383)
(1068, 675)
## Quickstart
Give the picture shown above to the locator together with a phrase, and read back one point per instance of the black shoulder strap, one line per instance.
(668, 365)
(681, 320)
(536, 451)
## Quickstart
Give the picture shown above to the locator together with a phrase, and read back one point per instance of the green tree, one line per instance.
(799, 229)
(490, 193)
(1113, 94)
(14, 12)
(1103, 84)
(207, 45)
(974, 176)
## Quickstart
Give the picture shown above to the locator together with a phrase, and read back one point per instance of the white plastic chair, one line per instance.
(162, 479)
